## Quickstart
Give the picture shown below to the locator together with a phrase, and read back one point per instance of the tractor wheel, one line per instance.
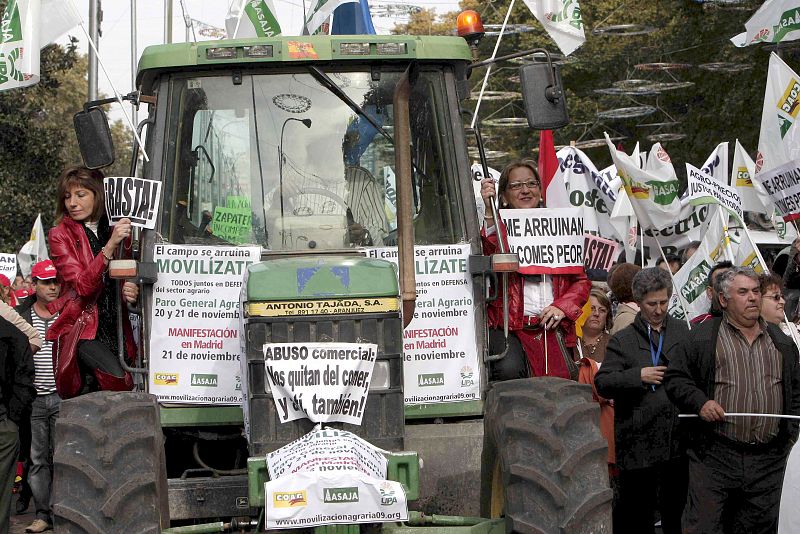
(544, 459)
(109, 469)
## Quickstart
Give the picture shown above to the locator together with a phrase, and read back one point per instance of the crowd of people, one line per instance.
(708, 473)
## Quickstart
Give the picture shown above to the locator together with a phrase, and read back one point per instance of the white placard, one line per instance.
(323, 382)
(134, 198)
(194, 344)
(440, 355)
(8, 266)
(311, 499)
(704, 189)
(327, 450)
(783, 186)
(547, 241)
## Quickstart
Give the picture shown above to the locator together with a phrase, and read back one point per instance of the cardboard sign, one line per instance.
(599, 253)
(783, 186)
(232, 224)
(323, 382)
(704, 189)
(440, 356)
(311, 499)
(195, 349)
(134, 198)
(327, 450)
(8, 266)
(547, 241)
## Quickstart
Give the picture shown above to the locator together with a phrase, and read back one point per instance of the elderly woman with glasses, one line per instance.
(541, 310)
(773, 303)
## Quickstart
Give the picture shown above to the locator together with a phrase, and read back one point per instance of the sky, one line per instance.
(115, 41)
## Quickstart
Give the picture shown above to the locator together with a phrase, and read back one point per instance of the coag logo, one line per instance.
(743, 178)
(165, 379)
(204, 380)
(289, 499)
(335, 495)
(787, 106)
(436, 379)
(388, 497)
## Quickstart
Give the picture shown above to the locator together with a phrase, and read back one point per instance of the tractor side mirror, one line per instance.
(543, 96)
(94, 138)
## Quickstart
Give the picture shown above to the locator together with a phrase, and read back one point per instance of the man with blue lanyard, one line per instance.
(649, 445)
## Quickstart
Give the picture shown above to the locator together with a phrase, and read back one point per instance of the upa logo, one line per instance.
(466, 376)
(435, 379)
(289, 499)
(165, 379)
(204, 380)
(388, 496)
(788, 106)
(743, 178)
(335, 495)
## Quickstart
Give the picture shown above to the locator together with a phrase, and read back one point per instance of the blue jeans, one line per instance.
(43, 428)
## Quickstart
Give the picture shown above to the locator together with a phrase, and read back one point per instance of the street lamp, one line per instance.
(307, 123)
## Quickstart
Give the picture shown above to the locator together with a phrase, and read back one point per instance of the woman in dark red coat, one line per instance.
(540, 309)
(81, 246)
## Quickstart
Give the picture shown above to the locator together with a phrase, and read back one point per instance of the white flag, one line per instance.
(779, 141)
(754, 198)
(255, 18)
(320, 11)
(717, 163)
(653, 193)
(562, 20)
(35, 250)
(57, 18)
(19, 44)
(775, 21)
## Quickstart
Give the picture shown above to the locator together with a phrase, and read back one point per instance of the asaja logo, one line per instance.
(664, 193)
(436, 379)
(289, 499)
(743, 178)
(388, 497)
(335, 495)
(204, 380)
(788, 106)
(790, 21)
(466, 376)
(165, 379)
(696, 284)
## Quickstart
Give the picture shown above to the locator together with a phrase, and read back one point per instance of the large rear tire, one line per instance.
(544, 459)
(109, 467)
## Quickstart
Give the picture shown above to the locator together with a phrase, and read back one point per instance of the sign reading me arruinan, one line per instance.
(783, 186)
(134, 198)
(546, 240)
(323, 382)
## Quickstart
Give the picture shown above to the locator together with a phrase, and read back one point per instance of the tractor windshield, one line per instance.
(279, 160)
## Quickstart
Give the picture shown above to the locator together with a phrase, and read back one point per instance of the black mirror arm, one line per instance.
(553, 92)
(134, 97)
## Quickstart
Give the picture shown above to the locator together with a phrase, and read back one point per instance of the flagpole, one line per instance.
(239, 19)
(728, 249)
(544, 329)
(489, 68)
(675, 288)
(113, 88)
(641, 237)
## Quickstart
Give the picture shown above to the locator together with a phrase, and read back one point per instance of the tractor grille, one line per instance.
(383, 421)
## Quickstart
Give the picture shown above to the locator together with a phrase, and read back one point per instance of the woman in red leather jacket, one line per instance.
(540, 309)
(81, 246)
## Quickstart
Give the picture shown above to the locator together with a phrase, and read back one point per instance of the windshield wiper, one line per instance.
(325, 81)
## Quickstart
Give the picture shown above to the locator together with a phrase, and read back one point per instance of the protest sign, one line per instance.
(310, 499)
(440, 355)
(782, 184)
(704, 189)
(134, 198)
(232, 224)
(547, 241)
(599, 253)
(327, 450)
(323, 382)
(194, 343)
(8, 265)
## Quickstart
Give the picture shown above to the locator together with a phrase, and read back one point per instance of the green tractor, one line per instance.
(326, 160)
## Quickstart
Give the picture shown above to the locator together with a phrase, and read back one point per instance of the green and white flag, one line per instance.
(654, 192)
(754, 198)
(19, 44)
(779, 140)
(320, 11)
(252, 18)
(775, 21)
(562, 20)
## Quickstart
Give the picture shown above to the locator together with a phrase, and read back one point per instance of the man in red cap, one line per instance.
(47, 403)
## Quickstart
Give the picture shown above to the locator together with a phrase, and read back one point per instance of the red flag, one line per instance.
(548, 162)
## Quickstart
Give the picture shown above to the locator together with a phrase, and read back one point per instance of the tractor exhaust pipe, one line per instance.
(405, 202)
